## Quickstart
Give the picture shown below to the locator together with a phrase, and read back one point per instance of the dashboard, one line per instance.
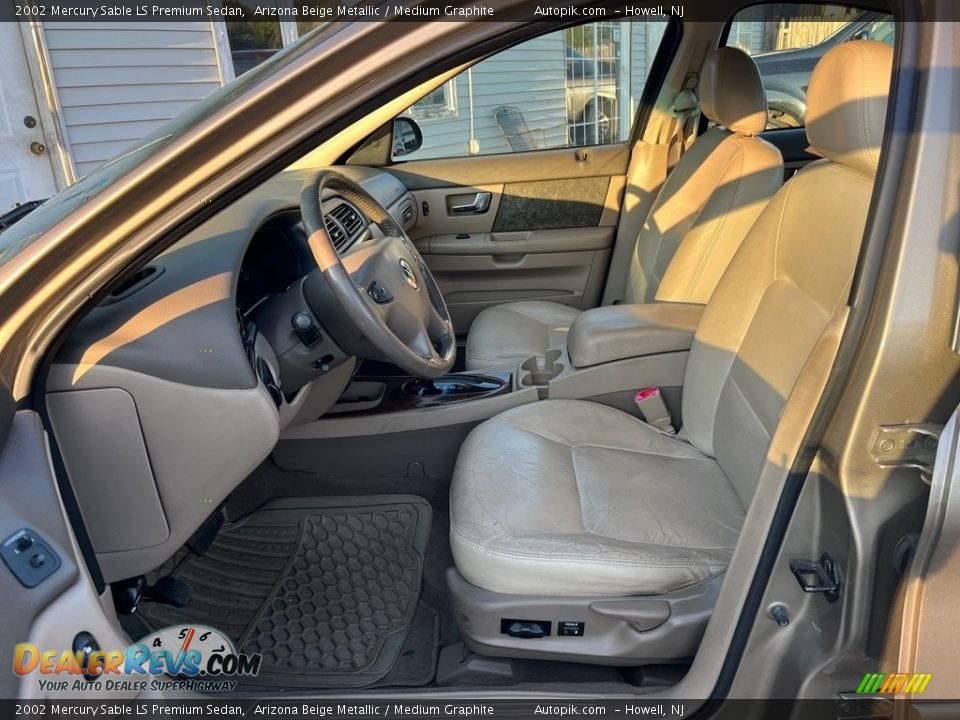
(190, 295)
(188, 370)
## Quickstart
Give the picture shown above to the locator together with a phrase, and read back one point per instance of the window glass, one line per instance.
(253, 42)
(786, 40)
(574, 87)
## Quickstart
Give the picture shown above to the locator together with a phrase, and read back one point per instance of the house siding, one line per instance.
(530, 76)
(533, 78)
(645, 39)
(117, 82)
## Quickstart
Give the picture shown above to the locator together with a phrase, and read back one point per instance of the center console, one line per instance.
(385, 425)
(387, 394)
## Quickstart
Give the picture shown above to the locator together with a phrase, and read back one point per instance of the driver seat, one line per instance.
(580, 532)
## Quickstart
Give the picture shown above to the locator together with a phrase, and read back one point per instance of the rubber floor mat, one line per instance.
(326, 589)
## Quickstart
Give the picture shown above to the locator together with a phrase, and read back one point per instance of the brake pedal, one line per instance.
(168, 591)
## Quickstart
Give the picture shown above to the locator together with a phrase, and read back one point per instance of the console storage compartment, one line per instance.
(386, 394)
(360, 396)
(617, 332)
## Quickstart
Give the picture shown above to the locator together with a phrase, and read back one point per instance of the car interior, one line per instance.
(515, 419)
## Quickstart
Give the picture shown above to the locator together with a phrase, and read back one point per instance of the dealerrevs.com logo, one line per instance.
(182, 657)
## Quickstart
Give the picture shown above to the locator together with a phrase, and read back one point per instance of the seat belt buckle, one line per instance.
(650, 403)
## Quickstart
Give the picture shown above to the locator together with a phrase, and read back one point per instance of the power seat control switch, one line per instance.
(570, 628)
(29, 557)
(526, 629)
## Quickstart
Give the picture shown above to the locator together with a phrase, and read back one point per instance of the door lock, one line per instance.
(819, 577)
(907, 446)
(37, 148)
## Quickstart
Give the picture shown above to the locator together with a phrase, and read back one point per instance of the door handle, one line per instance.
(480, 204)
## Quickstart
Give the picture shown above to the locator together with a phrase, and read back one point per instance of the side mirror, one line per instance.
(407, 136)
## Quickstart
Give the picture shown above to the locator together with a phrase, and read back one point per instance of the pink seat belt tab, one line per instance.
(655, 412)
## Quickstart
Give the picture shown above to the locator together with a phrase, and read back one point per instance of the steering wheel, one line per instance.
(382, 284)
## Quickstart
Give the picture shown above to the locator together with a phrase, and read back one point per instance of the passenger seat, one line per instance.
(700, 217)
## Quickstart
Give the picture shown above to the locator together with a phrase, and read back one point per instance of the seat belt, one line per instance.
(671, 140)
(650, 403)
(686, 117)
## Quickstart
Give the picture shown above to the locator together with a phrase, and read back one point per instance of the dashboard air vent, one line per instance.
(349, 219)
(337, 235)
(344, 224)
(134, 283)
(406, 214)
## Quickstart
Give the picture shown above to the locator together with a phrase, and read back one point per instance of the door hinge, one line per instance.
(819, 577)
(907, 446)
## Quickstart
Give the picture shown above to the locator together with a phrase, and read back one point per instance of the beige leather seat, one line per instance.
(700, 217)
(570, 498)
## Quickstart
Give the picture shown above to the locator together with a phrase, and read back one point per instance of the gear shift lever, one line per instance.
(453, 386)
(423, 387)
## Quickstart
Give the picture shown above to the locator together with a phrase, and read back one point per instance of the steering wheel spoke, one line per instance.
(424, 346)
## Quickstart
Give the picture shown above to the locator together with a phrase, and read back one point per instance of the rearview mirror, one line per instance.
(407, 136)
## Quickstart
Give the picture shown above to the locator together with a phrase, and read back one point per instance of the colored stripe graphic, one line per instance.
(894, 683)
(867, 683)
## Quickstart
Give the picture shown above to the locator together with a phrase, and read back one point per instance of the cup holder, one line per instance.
(538, 373)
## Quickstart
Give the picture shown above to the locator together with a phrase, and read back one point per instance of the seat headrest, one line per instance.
(731, 92)
(847, 103)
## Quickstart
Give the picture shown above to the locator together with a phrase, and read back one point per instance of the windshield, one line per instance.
(18, 236)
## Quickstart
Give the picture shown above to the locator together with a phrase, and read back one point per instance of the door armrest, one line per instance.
(616, 332)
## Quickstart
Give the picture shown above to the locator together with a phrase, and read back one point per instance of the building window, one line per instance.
(438, 104)
(252, 43)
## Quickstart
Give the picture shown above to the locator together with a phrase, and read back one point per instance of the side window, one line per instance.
(787, 39)
(574, 87)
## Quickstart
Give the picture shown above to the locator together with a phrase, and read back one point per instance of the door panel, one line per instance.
(545, 233)
(434, 217)
(507, 244)
(550, 204)
(600, 161)
(63, 602)
(484, 269)
(30, 503)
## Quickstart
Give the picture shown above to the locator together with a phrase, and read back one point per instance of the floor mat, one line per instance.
(417, 664)
(325, 588)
